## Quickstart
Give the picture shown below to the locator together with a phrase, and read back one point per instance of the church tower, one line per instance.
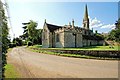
(86, 19)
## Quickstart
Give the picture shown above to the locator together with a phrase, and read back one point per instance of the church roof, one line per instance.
(52, 27)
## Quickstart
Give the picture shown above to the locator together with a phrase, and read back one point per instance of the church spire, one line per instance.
(86, 19)
(86, 13)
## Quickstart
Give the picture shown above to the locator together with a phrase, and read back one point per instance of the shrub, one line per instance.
(29, 43)
(11, 45)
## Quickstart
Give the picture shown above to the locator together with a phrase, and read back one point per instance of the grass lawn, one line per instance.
(84, 48)
(10, 71)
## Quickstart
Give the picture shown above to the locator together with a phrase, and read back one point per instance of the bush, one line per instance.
(24, 43)
(11, 45)
(29, 43)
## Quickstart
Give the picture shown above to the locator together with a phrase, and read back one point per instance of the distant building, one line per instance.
(69, 35)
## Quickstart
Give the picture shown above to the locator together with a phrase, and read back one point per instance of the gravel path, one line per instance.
(38, 65)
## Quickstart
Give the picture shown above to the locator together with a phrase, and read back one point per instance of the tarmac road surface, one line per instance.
(37, 65)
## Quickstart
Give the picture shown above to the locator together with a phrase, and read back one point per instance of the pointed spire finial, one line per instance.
(86, 19)
(72, 23)
(86, 13)
(45, 20)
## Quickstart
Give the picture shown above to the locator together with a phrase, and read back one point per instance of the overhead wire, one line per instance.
(8, 16)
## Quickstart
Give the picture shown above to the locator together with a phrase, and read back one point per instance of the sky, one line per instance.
(102, 15)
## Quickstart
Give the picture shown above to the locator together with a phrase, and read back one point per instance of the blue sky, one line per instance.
(102, 15)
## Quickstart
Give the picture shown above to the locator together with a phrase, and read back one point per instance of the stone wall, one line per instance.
(96, 53)
(79, 40)
(101, 42)
(50, 36)
(92, 42)
(69, 39)
(45, 37)
(61, 39)
(84, 42)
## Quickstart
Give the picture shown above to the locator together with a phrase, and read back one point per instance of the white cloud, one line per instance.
(94, 22)
(99, 25)
(110, 26)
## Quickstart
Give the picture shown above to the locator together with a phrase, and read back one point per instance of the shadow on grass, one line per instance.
(90, 47)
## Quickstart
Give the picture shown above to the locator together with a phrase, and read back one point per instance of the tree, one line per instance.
(38, 39)
(111, 35)
(29, 30)
(4, 34)
(32, 29)
(18, 41)
(4, 31)
(31, 33)
(117, 35)
(117, 24)
(25, 33)
(114, 35)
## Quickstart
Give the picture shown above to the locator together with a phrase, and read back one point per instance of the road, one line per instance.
(38, 65)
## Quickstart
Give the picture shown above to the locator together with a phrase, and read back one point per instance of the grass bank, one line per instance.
(72, 55)
(10, 71)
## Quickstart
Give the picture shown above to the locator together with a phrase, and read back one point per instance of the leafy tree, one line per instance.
(18, 41)
(115, 34)
(25, 33)
(32, 29)
(29, 30)
(31, 33)
(4, 31)
(111, 35)
(29, 43)
(38, 38)
(118, 24)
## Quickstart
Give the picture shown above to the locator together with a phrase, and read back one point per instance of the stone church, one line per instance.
(69, 35)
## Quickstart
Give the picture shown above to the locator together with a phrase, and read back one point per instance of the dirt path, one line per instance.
(37, 65)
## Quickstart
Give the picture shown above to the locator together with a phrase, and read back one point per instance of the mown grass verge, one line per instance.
(84, 48)
(10, 71)
(69, 55)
